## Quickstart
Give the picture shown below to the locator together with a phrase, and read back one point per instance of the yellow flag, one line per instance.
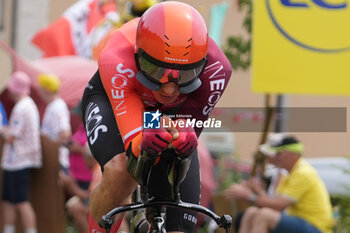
(301, 46)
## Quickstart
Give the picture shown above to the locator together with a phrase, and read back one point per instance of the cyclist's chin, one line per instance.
(165, 99)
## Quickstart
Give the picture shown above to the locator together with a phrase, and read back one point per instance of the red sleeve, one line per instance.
(215, 78)
(118, 74)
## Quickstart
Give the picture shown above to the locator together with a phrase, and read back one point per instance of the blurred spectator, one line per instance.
(256, 185)
(56, 120)
(80, 164)
(79, 168)
(22, 151)
(3, 117)
(301, 203)
(77, 205)
(80, 174)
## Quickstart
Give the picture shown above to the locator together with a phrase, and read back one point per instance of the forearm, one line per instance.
(64, 136)
(262, 200)
(114, 189)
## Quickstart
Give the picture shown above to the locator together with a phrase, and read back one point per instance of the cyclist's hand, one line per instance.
(155, 141)
(186, 142)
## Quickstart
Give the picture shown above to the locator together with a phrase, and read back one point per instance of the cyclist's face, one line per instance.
(167, 94)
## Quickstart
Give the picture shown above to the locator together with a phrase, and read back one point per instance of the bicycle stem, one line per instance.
(141, 169)
(225, 221)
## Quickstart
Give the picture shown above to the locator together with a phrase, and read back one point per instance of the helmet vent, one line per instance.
(167, 44)
(188, 46)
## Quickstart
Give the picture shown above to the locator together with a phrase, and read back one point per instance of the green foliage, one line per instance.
(342, 214)
(227, 172)
(341, 205)
(70, 227)
(237, 49)
(247, 22)
(238, 52)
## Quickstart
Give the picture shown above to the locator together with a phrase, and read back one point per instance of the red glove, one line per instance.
(187, 141)
(155, 141)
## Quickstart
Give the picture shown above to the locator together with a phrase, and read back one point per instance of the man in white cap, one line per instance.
(301, 204)
(21, 153)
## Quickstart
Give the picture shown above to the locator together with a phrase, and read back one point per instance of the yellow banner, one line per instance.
(301, 46)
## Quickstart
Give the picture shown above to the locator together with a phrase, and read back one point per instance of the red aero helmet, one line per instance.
(173, 32)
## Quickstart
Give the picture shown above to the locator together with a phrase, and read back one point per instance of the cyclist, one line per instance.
(162, 61)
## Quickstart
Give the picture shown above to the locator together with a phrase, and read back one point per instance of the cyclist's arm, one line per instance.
(128, 111)
(118, 74)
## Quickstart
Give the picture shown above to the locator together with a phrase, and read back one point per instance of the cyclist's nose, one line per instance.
(169, 89)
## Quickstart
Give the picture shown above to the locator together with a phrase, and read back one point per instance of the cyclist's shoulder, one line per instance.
(117, 57)
(119, 45)
(127, 30)
(216, 57)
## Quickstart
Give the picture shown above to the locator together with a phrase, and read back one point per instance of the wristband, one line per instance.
(252, 198)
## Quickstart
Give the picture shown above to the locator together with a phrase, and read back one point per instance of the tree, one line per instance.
(238, 51)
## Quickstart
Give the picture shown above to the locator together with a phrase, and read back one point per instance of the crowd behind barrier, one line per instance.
(46, 195)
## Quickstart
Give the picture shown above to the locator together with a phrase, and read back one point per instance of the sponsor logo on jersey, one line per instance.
(217, 85)
(119, 81)
(93, 124)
